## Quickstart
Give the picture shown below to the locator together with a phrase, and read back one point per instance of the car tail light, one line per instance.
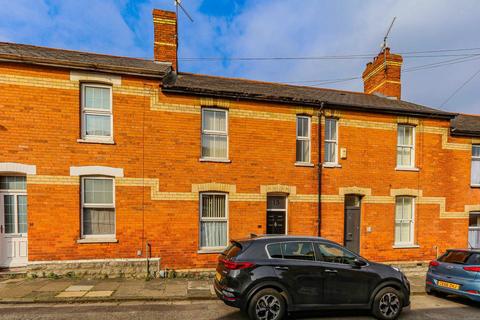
(434, 263)
(473, 269)
(473, 291)
(231, 265)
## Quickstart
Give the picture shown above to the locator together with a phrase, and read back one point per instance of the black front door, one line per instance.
(352, 223)
(276, 214)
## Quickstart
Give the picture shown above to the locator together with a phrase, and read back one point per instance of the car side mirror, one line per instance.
(359, 263)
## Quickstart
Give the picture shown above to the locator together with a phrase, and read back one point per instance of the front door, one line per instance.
(474, 230)
(13, 222)
(352, 223)
(276, 214)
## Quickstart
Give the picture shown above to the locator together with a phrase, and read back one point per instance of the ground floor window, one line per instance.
(98, 207)
(404, 221)
(213, 220)
(474, 230)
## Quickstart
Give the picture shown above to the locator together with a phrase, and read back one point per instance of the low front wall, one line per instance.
(97, 268)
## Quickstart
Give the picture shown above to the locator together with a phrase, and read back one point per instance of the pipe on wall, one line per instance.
(319, 168)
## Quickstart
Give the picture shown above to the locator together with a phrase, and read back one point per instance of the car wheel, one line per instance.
(388, 304)
(267, 304)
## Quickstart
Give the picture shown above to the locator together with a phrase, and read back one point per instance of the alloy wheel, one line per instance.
(267, 308)
(389, 305)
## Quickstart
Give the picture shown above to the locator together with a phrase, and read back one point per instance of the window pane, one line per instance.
(302, 127)
(214, 120)
(476, 151)
(298, 250)
(98, 191)
(401, 135)
(405, 232)
(407, 208)
(98, 221)
(213, 234)
(330, 152)
(474, 220)
(97, 98)
(213, 206)
(214, 146)
(276, 202)
(476, 171)
(13, 183)
(22, 213)
(408, 136)
(275, 251)
(303, 151)
(404, 156)
(9, 213)
(352, 201)
(398, 232)
(334, 254)
(96, 125)
(330, 129)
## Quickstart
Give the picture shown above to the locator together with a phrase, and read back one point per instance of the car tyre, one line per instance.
(267, 304)
(387, 304)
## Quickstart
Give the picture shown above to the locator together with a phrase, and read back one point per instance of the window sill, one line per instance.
(475, 185)
(405, 246)
(215, 160)
(210, 250)
(407, 169)
(331, 165)
(95, 141)
(97, 240)
(304, 164)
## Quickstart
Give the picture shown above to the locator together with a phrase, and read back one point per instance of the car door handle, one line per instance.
(281, 268)
(331, 271)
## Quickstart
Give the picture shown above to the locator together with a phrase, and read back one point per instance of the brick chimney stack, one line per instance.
(165, 36)
(383, 75)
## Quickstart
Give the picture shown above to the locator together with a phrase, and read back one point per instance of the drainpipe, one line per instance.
(319, 168)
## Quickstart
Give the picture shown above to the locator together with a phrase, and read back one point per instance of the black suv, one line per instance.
(269, 276)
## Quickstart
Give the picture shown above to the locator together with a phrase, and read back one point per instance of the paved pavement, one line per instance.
(423, 307)
(70, 290)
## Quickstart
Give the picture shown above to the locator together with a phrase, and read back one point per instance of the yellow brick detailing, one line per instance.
(329, 113)
(355, 190)
(406, 192)
(367, 124)
(214, 186)
(381, 67)
(165, 44)
(165, 21)
(444, 132)
(408, 120)
(38, 82)
(382, 83)
(155, 194)
(475, 141)
(61, 180)
(278, 188)
(472, 208)
(210, 102)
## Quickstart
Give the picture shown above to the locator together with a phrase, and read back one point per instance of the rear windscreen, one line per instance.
(458, 257)
(233, 250)
(474, 259)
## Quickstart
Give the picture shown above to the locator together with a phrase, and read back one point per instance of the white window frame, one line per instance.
(96, 112)
(412, 146)
(279, 194)
(216, 133)
(97, 205)
(412, 223)
(335, 162)
(202, 219)
(304, 138)
(474, 158)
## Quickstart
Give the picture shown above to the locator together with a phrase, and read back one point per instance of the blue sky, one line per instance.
(271, 28)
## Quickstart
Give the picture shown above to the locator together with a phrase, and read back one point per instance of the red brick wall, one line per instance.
(40, 126)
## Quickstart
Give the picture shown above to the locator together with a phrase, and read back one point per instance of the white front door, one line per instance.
(13, 229)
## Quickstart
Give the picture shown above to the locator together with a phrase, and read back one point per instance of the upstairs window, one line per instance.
(331, 141)
(405, 146)
(303, 139)
(97, 120)
(404, 221)
(98, 207)
(214, 134)
(476, 165)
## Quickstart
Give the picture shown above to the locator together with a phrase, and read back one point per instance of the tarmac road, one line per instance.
(423, 307)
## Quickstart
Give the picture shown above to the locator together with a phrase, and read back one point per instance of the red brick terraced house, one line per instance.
(106, 161)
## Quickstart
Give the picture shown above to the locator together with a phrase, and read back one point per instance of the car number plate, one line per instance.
(449, 285)
(218, 276)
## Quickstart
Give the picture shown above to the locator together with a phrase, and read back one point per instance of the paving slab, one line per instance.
(55, 285)
(130, 288)
(71, 294)
(174, 289)
(98, 294)
(78, 288)
(106, 286)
